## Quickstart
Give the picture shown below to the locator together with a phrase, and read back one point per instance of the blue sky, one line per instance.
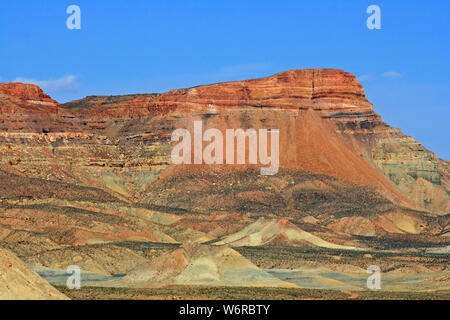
(154, 46)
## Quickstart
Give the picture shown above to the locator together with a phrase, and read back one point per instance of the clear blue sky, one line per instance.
(154, 46)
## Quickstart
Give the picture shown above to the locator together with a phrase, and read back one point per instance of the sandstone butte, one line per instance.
(328, 127)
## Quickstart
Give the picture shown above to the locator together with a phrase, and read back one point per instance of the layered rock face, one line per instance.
(91, 183)
(322, 89)
(121, 144)
(25, 108)
(339, 98)
(26, 92)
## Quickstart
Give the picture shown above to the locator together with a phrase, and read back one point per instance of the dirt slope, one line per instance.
(19, 282)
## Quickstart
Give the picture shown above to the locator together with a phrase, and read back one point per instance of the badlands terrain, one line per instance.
(91, 183)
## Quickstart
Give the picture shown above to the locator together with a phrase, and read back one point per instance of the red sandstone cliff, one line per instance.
(327, 127)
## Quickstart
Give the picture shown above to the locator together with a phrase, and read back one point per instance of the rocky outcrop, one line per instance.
(26, 92)
(120, 144)
(339, 98)
(277, 101)
(91, 183)
(328, 90)
(25, 108)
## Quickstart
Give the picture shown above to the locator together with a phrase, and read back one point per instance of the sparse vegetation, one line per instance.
(242, 293)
